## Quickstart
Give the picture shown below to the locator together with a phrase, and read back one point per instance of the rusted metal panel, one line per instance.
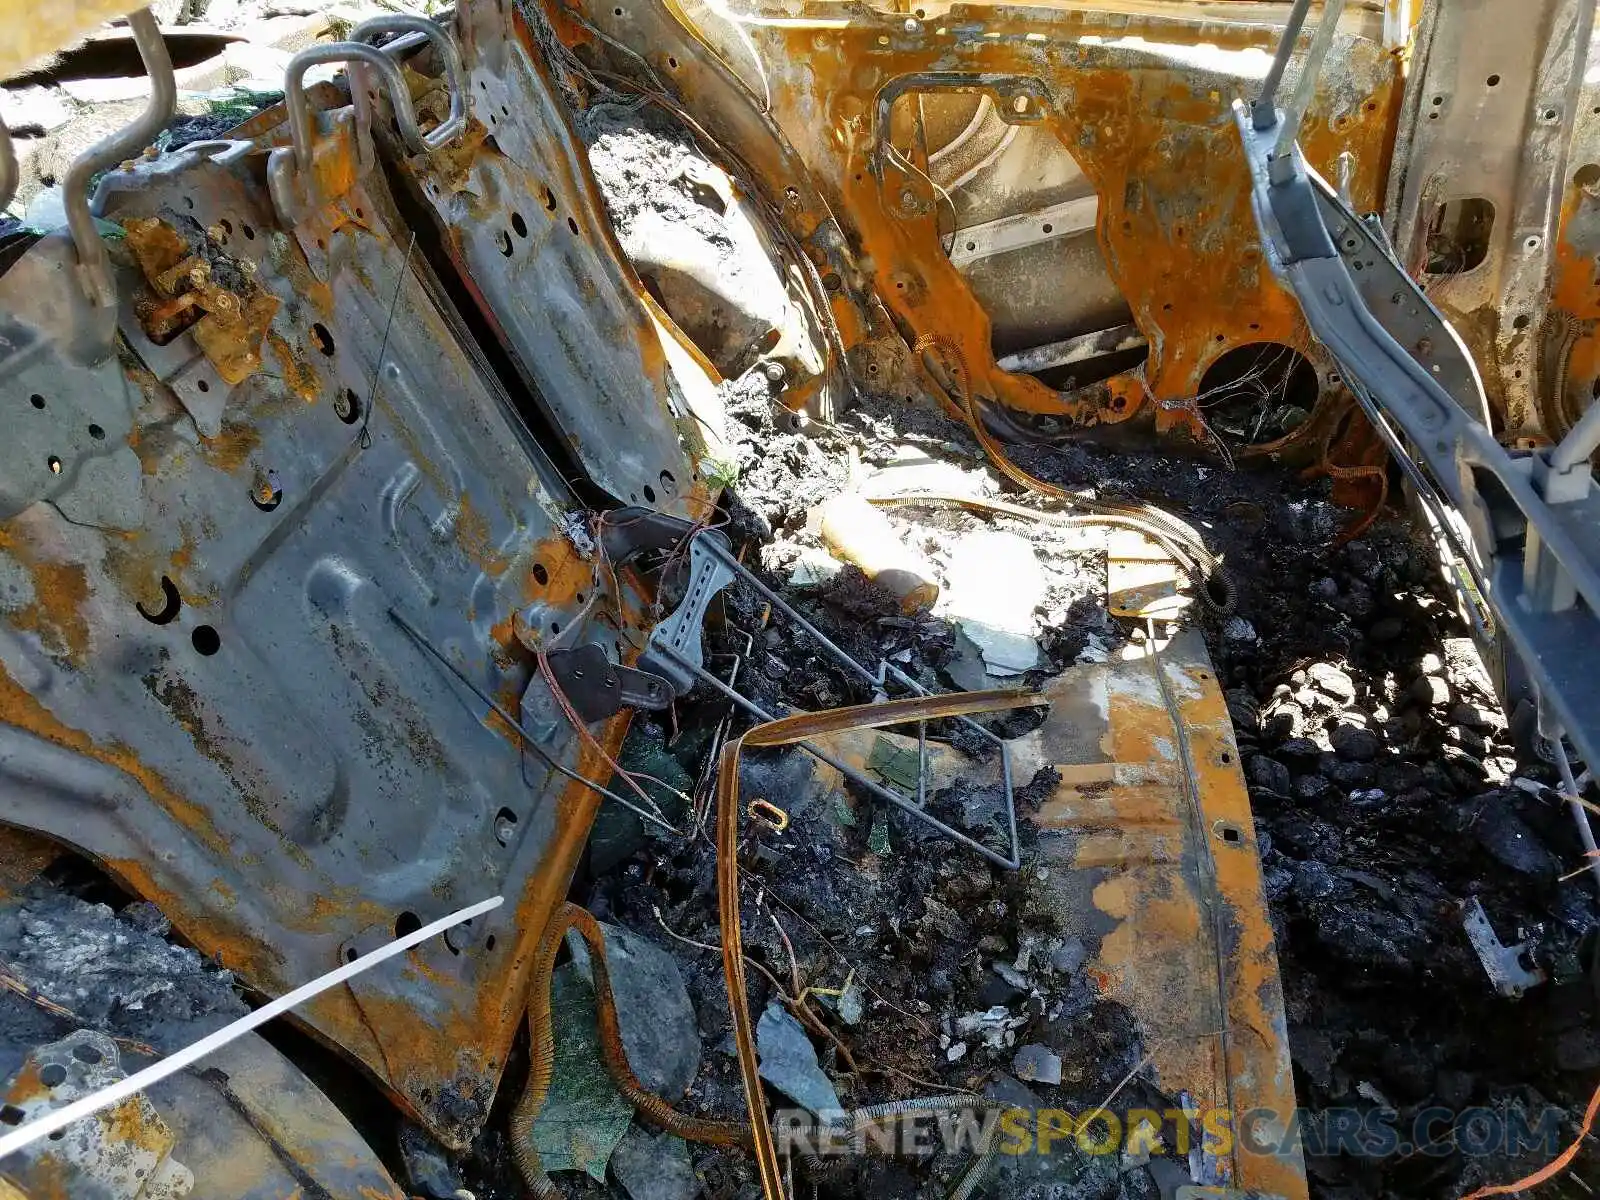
(201, 686)
(1498, 114)
(517, 207)
(1132, 98)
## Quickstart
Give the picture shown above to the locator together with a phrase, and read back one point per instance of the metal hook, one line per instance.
(449, 56)
(299, 108)
(93, 261)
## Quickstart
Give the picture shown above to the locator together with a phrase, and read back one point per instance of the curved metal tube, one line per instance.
(8, 167)
(449, 57)
(294, 94)
(93, 260)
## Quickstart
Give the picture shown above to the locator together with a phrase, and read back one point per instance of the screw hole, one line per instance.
(406, 924)
(649, 494)
(249, 233)
(347, 406)
(519, 225)
(540, 574)
(322, 338)
(54, 463)
(97, 433)
(206, 640)
(669, 482)
(53, 1075)
(1494, 81)
(36, 400)
(572, 225)
(672, 63)
(12, 1115)
(84, 1052)
(488, 942)
(268, 495)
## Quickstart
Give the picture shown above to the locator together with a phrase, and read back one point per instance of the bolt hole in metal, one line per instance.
(36, 400)
(171, 602)
(502, 241)
(649, 494)
(97, 433)
(406, 924)
(267, 493)
(84, 1052)
(11, 1115)
(347, 406)
(322, 338)
(207, 641)
(519, 225)
(540, 574)
(203, 384)
(669, 482)
(1231, 834)
(52, 1075)
(572, 225)
(1493, 81)
(505, 826)
(54, 463)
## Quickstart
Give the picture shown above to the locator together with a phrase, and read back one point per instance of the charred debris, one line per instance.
(1424, 888)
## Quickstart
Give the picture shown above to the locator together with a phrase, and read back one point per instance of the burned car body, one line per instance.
(353, 458)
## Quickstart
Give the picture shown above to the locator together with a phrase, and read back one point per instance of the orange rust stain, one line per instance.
(60, 592)
(1199, 975)
(320, 295)
(296, 372)
(1157, 142)
(232, 447)
(472, 535)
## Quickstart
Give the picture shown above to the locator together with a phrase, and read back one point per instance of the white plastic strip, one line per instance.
(26, 1135)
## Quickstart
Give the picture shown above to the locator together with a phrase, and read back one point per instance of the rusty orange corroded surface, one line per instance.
(1154, 136)
(1143, 830)
(1572, 340)
(1162, 824)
